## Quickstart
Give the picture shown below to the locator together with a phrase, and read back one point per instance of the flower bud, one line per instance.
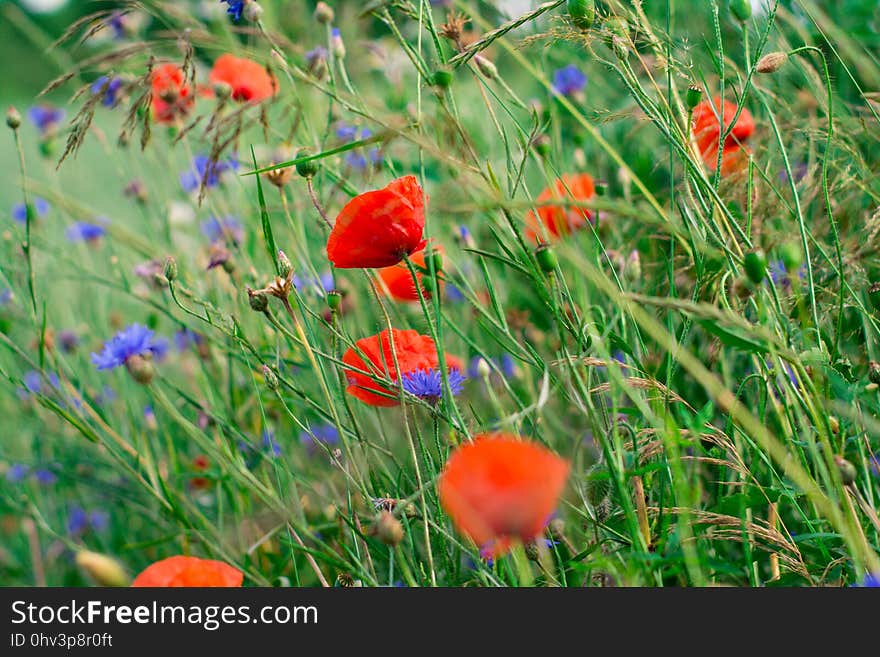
(324, 13)
(141, 369)
(170, 268)
(771, 62)
(582, 13)
(434, 258)
(222, 90)
(483, 368)
(284, 265)
(442, 78)
(309, 168)
(693, 97)
(388, 529)
(270, 378)
(334, 299)
(486, 67)
(253, 11)
(258, 301)
(13, 118)
(847, 470)
(546, 257)
(755, 264)
(337, 46)
(103, 570)
(741, 9)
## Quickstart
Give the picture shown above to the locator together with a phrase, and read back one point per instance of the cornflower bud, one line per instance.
(324, 13)
(170, 268)
(13, 118)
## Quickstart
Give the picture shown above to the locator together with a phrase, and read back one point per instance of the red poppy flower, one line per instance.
(379, 228)
(414, 352)
(707, 133)
(189, 571)
(171, 97)
(398, 282)
(561, 220)
(501, 488)
(249, 81)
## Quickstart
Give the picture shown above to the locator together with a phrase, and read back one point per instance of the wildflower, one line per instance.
(83, 231)
(250, 82)
(380, 227)
(108, 88)
(219, 230)
(270, 444)
(235, 8)
(560, 220)
(321, 285)
(189, 571)
(186, 338)
(205, 172)
(414, 352)
(337, 46)
(136, 190)
(136, 341)
(118, 24)
(428, 384)
(323, 434)
(324, 14)
(778, 273)
(707, 133)
(219, 256)
(46, 118)
(17, 472)
(5, 296)
(171, 96)
(45, 477)
(500, 488)
(316, 59)
(33, 383)
(77, 521)
(355, 159)
(40, 207)
(68, 340)
(871, 581)
(569, 80)
(398, 282)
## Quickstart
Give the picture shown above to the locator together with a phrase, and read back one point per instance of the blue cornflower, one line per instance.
(117, 22)
(77, 520)
(871, 581)
(218, 230)
(321, 285)
(68, 340)
(109, 87)
(33, 383)
(40, 207)
(234, 9)
(185, 338)
(5, 296)
(356, 159)
(45, 117)
(136, 340)
(569, 80)
(99, 520)
(428, 384)
(106, 396)
(83, 231)
(270, 444)
(325, 434)
(346, 132)
(780, 276)
(454, 294)
(204, 171)
(45, 477)
(16, 473)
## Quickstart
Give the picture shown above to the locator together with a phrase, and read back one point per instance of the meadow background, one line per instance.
(719, 409)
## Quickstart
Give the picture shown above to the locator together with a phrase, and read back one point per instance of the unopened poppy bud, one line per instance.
(874, 372)
(388, 529)
(771, 62)
(755, 264)
(442, 78)
(847, 470)
(103, 570)
(170, 269)
(141, 369)
(309, 168)
(334, 299)
(582, 13)
(258, 301)
(741, 9)
(270, 378)
(428, 285)
(284, 264)
(13, 118)
(486, 67)
(435, 258)
(693, 97)
(324, 13)
(792, 256)
(874, 295)
(253, 11)
(546, 258)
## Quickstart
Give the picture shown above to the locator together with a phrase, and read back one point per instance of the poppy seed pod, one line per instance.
(771, 62)
(741, 9)
(334, 299)
(582, 13)
(309, 168)
(546, 257)
(755, 264)
(693, 97)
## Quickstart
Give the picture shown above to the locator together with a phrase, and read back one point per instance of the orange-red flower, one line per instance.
(379, 228)
(501, 488)
(171, 95)
(559, 220)
(249, 81)
(398, 282)
(707, 133)
(189, 571)
(414, 352)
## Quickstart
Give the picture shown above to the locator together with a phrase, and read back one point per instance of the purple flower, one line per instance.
(780, 276)
(185, 338)
(5, 296)
(569, 80)
(136, 340)
(270, 444)
(33, 383)
(109, 87)
(323, 284)
(117, 22)
(205, 171)
(99, 520)
(325, 434)
(46, 117)
(77, 520)
(40, 207)
(428, 384)
(106, 396)
(871, 581)
(45, 477)
(234, 9)
(83, 231)
(217, 230)
(16, 473)
(68, 340)
(346, 132)
(356, 159)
